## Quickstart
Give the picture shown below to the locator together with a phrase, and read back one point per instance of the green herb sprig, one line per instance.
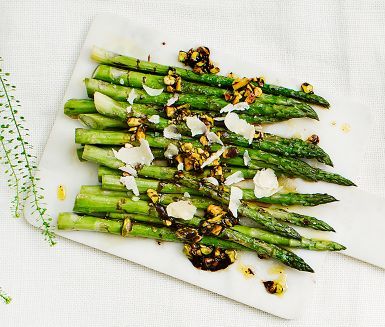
(5, 297)
(15, 154)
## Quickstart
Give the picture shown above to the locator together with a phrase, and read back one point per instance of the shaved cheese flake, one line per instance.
(213, 157)
(129, 170)
(116, 72)
(213, 138)
(171, 132)
(186, 195)
(239, 126)
(140, 155)
(181, 209)
(180, 166)
(121, 81)
(130, 184)
(152, 92)
(154, 119)
(132, 96)
(234, 178)
(129, 109)
(246, 158)
(211, 180)
(172, 100)
(135, 198)
(236, 195)
(265, 183)
(196, 125)
(171, 151)
(240, 106)
(219, 118)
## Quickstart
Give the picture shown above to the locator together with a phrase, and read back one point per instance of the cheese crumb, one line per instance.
(154, 119)
(152, 92)
(240, 106)
(172, 100)
(171, 132)
(236, 195)
(213, 138)
(211, 180)
(239, 126)
(234, 178)
(265, 183)
(213, 157)
(246, 158)
(132, 96)
(171, 151)
(181, 209)
(130, 184)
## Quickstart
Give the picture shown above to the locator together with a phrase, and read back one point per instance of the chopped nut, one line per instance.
(313, 139)
(259, 135)
(240, 82)
(169, 80)
(134, 122)
(230, 152)
(307, 88)
(140, 133)
(214, 210)
(188, 234)
(259, 80)
(153, 195)
(199, 60)
(170, 111)
(273, 287)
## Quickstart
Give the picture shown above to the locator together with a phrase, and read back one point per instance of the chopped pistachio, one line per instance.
(307, 88)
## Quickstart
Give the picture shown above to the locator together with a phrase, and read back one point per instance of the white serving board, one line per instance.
(59, 166)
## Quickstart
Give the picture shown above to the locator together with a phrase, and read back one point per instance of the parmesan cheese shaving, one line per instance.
(130, 184)
(239, 126)
(130, 170)
(265, 183)
(246, 158)
(186, 195)
(171, 151)
(236, 195)
(171, 132)
(152, 92)
(213, 157)
(211, 180)
(240, 106)
(181, 209)
(154, 119)
(129, 109)
(121, 81)
(133, 156)
(172, 100)
(180, 166)
(196, 125)
(213, 138)
(132, 96)
(234, 178)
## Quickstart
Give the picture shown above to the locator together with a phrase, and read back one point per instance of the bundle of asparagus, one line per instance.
(177, 164)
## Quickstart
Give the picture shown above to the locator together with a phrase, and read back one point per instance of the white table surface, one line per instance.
(73, 285)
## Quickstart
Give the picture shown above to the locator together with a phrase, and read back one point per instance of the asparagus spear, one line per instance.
(69, 221)
(74, 107)
(116, 189)
(97, 121)
(135, 79)
(292, 147)
(110, 58)
(111, 182)
(289, 166)
(121, 93)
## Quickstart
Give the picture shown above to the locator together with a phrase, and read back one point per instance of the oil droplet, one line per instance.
(246, 271)
(61, 193)
(333, 123)
(345, 128)
(288, 185)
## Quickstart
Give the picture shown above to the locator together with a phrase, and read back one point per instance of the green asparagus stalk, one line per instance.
(289, 166)
(74, 107)
(121, 93)
(303, 243)
(97, 121)
(110, 58)
(69, 221)
(89, 203)
(111, 182)
(135, 79)
(292, 147)
(248, 196)
(105, 157)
